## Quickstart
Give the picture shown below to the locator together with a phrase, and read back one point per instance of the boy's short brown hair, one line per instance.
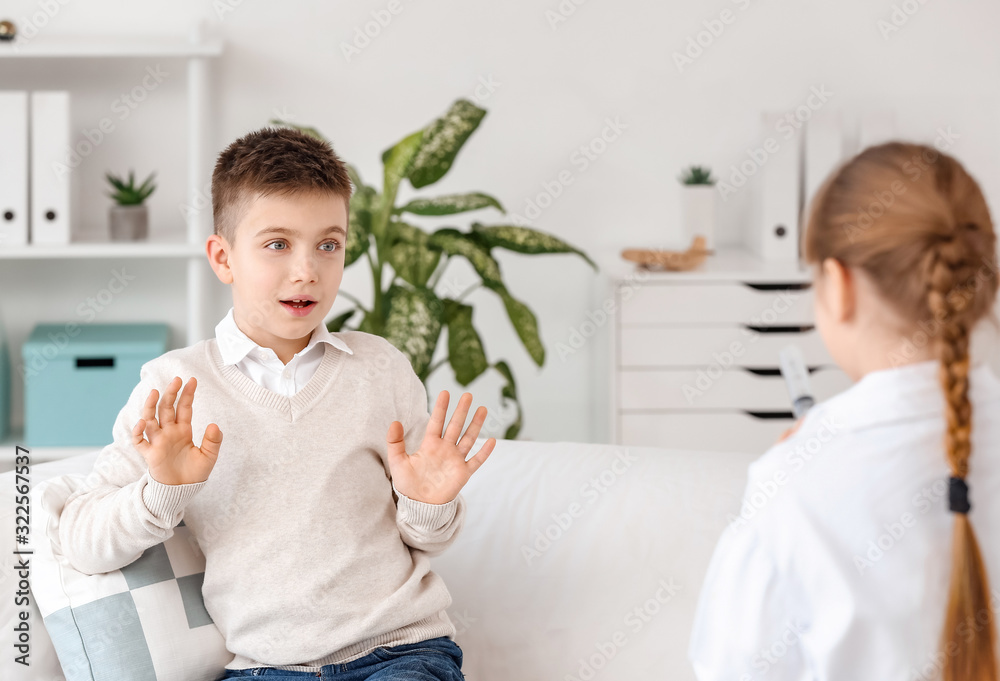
(272, 161)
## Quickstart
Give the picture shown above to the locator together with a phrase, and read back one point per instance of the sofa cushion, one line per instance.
(144, 622)
(585, 561)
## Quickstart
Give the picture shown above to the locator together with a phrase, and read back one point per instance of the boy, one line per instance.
(316, 525)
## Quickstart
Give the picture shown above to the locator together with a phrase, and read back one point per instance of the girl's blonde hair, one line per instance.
(913, 220)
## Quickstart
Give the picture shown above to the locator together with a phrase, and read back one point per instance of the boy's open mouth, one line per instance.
(297, 307)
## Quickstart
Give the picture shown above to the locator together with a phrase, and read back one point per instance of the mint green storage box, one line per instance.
(77, 378)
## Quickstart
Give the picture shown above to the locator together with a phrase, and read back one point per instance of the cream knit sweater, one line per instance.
(312, 556)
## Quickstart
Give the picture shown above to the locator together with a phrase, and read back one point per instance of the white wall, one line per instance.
(557, 85)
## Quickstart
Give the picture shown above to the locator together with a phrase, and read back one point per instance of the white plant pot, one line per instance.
(698, 212)
(129, 223)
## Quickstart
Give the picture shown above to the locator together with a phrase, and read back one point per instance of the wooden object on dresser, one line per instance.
(669, 260)
(696, 354)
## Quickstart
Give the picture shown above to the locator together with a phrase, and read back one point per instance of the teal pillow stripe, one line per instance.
(152, 567)
(194, 603)
(101, 641)
(68, 644)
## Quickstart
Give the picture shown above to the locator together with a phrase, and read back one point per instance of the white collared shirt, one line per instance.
(262, 365)
(839, 563)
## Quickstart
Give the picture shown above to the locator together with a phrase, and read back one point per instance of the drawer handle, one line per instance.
(85, 362)
(777, 287)
(779, 329)
(772, 372)
(770, 415)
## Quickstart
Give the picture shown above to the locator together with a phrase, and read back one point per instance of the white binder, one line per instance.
(824, 150)
(777, 236)
(50, 172)
(13, 168)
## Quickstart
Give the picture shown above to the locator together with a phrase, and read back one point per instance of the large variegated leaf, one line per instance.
(411, 255)
(525, 324)
(442, 141)
(362, 204)
(398, 159)
(524, 240)
(465, 348)
(451, 204)
(453, 242)
(413, 324)
(509, 392)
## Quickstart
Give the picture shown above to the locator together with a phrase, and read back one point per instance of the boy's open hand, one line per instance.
(435, 473)
(170, 454)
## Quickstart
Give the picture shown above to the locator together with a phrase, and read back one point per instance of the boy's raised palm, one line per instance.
(435, 473)
(170, 454)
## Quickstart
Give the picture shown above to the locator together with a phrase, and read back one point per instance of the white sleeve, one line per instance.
(745, 625)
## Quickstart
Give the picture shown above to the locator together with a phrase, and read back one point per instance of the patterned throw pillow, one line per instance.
(144, 622)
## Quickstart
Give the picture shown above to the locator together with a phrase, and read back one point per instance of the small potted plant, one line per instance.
(698, 204)
(129, 216)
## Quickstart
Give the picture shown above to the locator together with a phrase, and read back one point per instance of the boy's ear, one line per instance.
(217, 249)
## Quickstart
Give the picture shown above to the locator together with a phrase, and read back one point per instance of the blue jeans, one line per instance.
(436, 659)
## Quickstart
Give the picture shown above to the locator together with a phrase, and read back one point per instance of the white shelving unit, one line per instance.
(83, 249)
(75, 47)
(196, 51)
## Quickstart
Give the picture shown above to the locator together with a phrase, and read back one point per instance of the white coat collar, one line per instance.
(910, 391)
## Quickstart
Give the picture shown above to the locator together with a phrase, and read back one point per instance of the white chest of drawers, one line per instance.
(696, 354)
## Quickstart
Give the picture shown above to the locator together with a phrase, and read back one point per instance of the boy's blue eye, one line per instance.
(335, 245)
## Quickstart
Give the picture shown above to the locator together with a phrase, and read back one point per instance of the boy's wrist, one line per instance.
(419, 501)
(424, 515)
(163, 500)
(165, 478)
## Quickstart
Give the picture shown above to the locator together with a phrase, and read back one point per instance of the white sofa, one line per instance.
(577, 561)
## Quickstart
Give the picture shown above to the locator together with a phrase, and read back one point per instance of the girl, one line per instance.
(860, 558)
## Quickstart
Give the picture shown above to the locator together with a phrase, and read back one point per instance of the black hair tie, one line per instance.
(958, 495)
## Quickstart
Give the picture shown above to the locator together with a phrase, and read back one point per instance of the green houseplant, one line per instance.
(128, 217)
(406, 310)
(698, 204)
(694, 175)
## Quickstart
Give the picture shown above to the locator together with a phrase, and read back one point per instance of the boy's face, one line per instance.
(287, 247)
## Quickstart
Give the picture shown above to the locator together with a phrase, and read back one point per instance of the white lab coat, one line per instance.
(838, 566)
